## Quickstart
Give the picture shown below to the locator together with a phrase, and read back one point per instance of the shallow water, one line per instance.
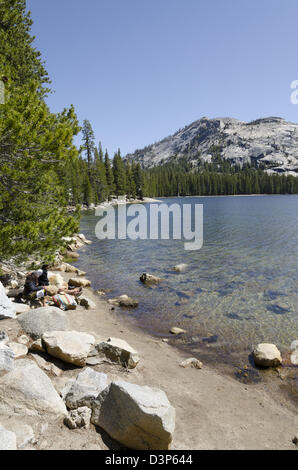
(240, 288)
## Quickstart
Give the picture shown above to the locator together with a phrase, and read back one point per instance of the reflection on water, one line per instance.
(239, 289)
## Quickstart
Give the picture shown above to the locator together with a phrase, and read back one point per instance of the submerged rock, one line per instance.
(124, 301)
(137, 417)
(176, 331)
(180, 267)
(150, 279)
(267, 355)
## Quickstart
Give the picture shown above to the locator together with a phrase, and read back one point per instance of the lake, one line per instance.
(239, 289)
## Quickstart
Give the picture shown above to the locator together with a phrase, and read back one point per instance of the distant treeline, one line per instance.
(94, 177)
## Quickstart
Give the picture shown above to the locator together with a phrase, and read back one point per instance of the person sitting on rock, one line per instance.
(32, 290)
(43, 278)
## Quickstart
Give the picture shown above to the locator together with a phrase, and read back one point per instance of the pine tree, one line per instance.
(33, 144)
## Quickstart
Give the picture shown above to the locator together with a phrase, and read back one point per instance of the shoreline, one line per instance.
(214, 411)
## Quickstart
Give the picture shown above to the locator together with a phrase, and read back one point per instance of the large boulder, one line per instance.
(72, 347)
(7, 308)
(137, 417)
(8, 440)
(88, 385)
(6, 357)
(267, 355)
(119, 351)
(37, 321)
(27, 390)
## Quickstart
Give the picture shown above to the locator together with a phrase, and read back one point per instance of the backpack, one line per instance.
(65, 301)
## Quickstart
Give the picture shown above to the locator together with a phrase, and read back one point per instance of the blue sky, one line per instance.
(141, 69)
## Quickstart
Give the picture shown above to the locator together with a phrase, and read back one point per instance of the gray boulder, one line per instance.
(38, 321)
(137, 417)
(7, 308)
(119, 351)
(88, 385)
(6, 357)
(27, 390)
(8, 440)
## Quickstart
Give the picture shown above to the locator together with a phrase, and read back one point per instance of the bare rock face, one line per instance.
(72, 347)
(137, 417)
(267, 355)
(87, 386)
(270, 143)
(27, 390)
(118, 351)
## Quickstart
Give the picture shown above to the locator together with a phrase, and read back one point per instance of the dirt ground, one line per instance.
(213, 410)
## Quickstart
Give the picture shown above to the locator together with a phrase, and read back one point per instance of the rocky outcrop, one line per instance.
(118, 351)
(270, 142)
(267, 355)
(27, 390)
(40, 320)
(87, 386)
(7, 308)
(137, 417)
(72, 347)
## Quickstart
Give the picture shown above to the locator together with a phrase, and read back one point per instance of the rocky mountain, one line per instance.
(269, 143)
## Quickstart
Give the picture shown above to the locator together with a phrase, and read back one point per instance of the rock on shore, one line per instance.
(267, 355)
(138, 417)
